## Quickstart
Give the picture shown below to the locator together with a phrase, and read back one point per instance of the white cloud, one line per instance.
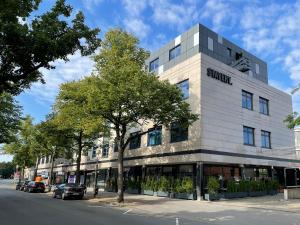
(77, 67)
(134, 8)
(175, 15)
(137, 26)
(91, 4)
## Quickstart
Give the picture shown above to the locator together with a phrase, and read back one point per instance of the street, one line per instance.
(17, 207)
(20, 208)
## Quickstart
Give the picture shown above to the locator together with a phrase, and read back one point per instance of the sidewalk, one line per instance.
(161, 206)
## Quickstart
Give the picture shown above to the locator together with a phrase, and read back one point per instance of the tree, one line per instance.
(53, 141)
(21, 148)
(10, 116)
(6, 169)
(292, 120)
(29, 41)
(125, 95)
(72, 117)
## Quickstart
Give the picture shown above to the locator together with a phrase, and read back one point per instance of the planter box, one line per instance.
(257, 193)
(132, 191)
(188, 196)
(272, 192)
(163, 194)
(148, 192)
(155, 194)
(211, 197)
(230, 195)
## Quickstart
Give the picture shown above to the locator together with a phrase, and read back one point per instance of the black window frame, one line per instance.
(246, 94)
(180, 87)
(178, 133)
(261, 107)
(229, 52)
(253, 135)
(262, 134)
(155, 66)
(175, 49)
(94, 152)
(151, 130)
(135, 143)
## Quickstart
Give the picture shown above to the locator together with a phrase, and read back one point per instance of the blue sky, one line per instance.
(268, 29)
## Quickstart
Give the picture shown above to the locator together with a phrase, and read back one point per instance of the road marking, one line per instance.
(129, 210)
(177, 221)
(96, 206)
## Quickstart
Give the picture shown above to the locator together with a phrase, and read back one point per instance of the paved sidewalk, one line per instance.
(159, 205)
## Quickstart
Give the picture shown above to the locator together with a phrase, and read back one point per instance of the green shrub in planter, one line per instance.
(187, 185)
(164, 184)
(213, 185)
(232, 187)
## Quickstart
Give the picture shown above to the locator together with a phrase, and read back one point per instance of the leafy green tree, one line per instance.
(10, 117)
(52, 142)
(292, 120)
(21, 148)
(7, 169)
(72, 117)
(29, 41)
(125, 95)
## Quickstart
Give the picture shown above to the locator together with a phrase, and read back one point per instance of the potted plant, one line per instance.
(133, 186)
(236, 189)
(147, 186)
(184, 188)
(257, 188)
(272, 187)
(212, 189)
(163, 187)
(155, 186)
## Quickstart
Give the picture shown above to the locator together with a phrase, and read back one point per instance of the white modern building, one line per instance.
(240, 133)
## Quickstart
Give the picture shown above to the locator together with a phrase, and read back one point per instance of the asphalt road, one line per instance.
(20, 208)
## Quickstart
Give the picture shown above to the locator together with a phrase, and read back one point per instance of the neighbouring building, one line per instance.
(240, 133)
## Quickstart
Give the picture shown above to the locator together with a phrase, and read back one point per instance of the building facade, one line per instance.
(240, 133)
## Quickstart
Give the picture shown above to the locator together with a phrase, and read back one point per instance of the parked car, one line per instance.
(65, 191)
(33, 186)
(23, 184)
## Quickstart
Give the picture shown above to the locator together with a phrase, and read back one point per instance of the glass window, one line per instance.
(265, 139)
(154, 136)
(178, 133)
(247, 100)
(105, 150)
(94, 152)
(184, 87)
(154, 64)
(174, 52)
(136, 141)
(248, 135)
(263, 106)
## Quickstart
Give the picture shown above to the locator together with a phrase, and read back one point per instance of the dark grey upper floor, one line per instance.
(201, 39)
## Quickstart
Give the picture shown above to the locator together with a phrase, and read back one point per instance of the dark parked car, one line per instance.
(21, 185)
(33, 186)
(65, 191)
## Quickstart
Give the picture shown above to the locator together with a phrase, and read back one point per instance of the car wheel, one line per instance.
(53, 195)
(63, 197)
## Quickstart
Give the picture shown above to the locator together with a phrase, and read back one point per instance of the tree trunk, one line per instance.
(50, 180)
(120, 176)
(36, 168)
(78, 161)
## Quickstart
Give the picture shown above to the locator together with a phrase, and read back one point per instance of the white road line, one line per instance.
(96, 206)
(129, 210)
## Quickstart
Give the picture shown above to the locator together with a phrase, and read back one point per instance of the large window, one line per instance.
(184, 87)
(178, 133)
(265, 139)
(174, 52)
(247, 100)
(263, 106)
(94, 152)
(136, 141)
(248, 135)
(105, 150)
(154, 136)
(154, 64)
